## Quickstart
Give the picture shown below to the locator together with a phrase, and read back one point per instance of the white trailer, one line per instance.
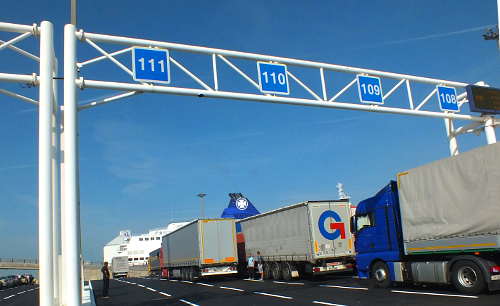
(119, 266)
(201, 248)
(311, 237)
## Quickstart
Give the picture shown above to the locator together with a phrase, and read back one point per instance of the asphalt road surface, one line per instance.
(21, 295)
(344, 290)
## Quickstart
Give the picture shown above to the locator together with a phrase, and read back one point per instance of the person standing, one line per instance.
(105, 280)
(251, 267)
(260, 265)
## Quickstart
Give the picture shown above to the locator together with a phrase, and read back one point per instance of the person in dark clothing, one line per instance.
(105, 280)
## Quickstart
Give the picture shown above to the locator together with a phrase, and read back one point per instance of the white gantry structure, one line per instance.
(269, 79)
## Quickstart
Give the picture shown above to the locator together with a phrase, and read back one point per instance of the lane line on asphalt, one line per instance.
(151, 289)
(436, 294)
(19, 293)
(174, 280)
(231, 288)
(163, 293)
(344, 287)
(253, 280)
(141, 285)
(207, 285)
(8, 297)
(326, 303)
(274, 295)
(288, 283)
(189, 303)
(187, 282)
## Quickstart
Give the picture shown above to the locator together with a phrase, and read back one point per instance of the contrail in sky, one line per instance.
(393, 42)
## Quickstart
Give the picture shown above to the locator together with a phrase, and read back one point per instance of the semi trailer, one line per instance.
(201, 248)
(307, 238)
(119, 266)
(439, 223)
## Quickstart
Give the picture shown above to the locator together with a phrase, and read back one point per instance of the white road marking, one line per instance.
(163, 293)
(163, 279)
(326, 303)
(141, 285)
(344, 287)
(133, 283)
(8, 297)
(278, 282)
(189, 303)
(274, 295)
(173, 280)
(151, 289)
(438, 294)
(253, 280)
(21, 292)
(203, 284)
(231, 288)
(187, 282)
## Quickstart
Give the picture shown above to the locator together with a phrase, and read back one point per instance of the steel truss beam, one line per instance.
(223, 55)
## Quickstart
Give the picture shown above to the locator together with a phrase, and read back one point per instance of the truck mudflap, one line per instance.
(332, 267)
(221, 270)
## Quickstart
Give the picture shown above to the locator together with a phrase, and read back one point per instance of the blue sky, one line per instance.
(144, 159)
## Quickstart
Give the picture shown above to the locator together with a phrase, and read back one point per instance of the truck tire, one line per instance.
(467, 277)
(380, 275)
(267, 270)
(276, 271)
(286, 271)
(190, 274)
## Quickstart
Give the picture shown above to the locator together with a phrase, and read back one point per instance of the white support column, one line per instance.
(71, 223)
(56, 208)
(450, 132)
(45, 239)
(489, 130)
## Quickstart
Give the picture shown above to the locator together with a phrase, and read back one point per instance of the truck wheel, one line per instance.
(286, 271)
(467, 277)
(276, 271)
(267, 270)
(380, 275)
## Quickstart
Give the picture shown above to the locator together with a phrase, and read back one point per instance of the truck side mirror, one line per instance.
(352, 225)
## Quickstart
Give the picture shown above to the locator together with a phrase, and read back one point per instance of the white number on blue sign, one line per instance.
(273, 78)
(370, 89)
(447, 97)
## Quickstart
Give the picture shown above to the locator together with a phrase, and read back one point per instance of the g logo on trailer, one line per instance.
(338, 226)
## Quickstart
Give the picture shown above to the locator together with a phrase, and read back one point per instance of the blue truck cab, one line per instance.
(378, 231)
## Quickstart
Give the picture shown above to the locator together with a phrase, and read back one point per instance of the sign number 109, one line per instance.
(370, 89)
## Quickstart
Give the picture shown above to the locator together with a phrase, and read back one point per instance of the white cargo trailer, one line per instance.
(311, 237)
(119, 266)
(200, 248)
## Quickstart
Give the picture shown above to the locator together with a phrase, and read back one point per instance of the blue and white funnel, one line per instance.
(239, 207)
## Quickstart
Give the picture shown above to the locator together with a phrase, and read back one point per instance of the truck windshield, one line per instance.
(363, 221)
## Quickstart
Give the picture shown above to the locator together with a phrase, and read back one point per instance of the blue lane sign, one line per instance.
(370, 90)
(447, 98)
(151, 65)
(273, 78)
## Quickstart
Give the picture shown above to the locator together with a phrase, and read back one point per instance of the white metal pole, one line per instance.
(498, 26)
(46, 272)
(450, 132)
(56, 209)
(71, 246)
(489, 130)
